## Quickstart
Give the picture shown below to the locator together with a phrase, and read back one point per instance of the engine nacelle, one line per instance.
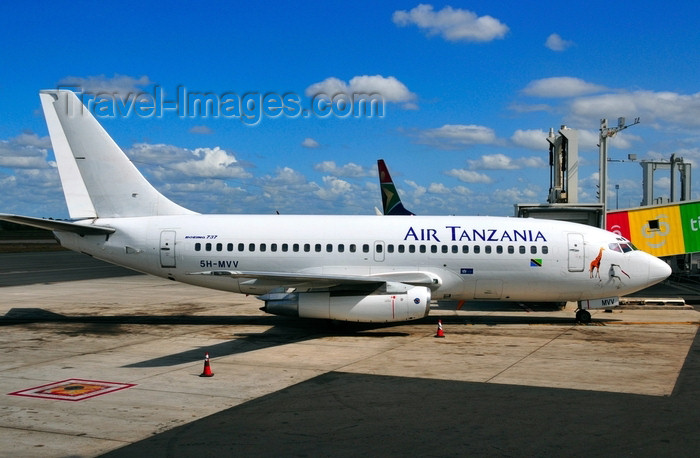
(376, 308)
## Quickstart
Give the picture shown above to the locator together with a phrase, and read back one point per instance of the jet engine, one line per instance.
(376, 308)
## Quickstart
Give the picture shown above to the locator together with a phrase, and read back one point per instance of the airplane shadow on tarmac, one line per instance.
(282, 330)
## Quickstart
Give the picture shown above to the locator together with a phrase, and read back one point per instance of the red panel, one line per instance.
(619, 223)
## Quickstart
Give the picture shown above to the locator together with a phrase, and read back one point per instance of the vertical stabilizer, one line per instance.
(98, 179)
(390, 196)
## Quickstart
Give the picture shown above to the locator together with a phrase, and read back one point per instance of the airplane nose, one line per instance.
(658, 270)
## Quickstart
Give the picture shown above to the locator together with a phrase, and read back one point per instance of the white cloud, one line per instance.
(493, 162)
(334, 187)
(286, 176)
(651, 106)
(120, 84)
(588, 139)
(556, 43)
(211, 163)
(453, 24)
(529, 108)
(310, 143)
(462, 190)
(561, 86)
(458, 135)
(510, 195)
(468, 176)
(204, 130)
(390, 88)
(534, 139)
(348, 170)
(171, 162)
(26, 151)
(438, 188)
(503, 162)
(416, 189)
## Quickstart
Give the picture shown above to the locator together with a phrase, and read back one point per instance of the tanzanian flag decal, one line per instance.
(535, 263)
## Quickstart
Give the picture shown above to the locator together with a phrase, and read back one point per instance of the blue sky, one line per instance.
(470, 91)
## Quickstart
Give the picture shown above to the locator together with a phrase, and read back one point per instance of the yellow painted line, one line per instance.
(679, 323)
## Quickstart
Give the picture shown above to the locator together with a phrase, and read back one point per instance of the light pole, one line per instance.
(605, 133)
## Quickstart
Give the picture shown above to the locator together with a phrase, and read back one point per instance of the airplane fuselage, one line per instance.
(510, 259)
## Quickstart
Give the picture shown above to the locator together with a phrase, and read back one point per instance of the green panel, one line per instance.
(690, 219)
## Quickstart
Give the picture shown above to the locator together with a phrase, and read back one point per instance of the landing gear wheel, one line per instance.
(583, 316)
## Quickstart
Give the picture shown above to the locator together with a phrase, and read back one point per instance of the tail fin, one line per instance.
(98, 179)
(390, 197)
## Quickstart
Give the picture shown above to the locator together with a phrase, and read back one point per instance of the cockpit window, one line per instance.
(622, 247)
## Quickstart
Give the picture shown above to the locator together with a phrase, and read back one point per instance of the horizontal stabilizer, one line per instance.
(54, 225)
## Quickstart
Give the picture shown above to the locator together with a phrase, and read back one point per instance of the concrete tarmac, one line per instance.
(505, 382)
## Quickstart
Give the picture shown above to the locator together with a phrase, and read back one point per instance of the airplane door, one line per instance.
(167, 249)
(576, 262)
(379, 251)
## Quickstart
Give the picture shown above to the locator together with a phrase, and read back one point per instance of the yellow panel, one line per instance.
(666, 239)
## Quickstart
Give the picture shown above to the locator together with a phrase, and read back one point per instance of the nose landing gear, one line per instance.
(583, 316)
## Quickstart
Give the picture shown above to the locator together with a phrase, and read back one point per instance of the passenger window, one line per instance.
(207, 247)
(477, 249)
(533, 249)
(295, 248)
(317, 248)
(522, 249)
(341, 248)
(545, 249)
(273, 247)
(229, 247)
(365, 248)
(353, 248)
(329, 248)
(378, 248)
(455, 249)
(499, 249)
(219, 246)
(487, 249)
(422, 248)
(197, 246)
(465, 249)
(285, 247)
(511, 249)
(390, 248)
(445, 248)
(241, 247)
(251, 247)
(263, 247)
(411, 248)
(402, 249)
(307, 247)
(433, 248)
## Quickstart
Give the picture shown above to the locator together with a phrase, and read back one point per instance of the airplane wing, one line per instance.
(54, 225)
(388, 282)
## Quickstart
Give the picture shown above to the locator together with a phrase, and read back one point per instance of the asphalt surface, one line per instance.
(339, 414)
(348, 413)
(55, 266)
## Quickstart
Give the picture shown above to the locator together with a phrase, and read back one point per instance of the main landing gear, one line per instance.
(583, 316)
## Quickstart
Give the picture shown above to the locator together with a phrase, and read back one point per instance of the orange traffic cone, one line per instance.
(207, 369)
(439, 330)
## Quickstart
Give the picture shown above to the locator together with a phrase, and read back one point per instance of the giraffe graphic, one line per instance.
(595, 264)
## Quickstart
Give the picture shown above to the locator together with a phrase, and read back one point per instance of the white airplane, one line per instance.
(347, 268)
